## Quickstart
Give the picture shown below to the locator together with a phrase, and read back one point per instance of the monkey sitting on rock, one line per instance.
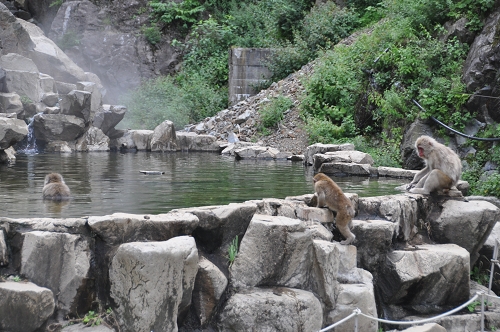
(330, 195)
(54, 188)
(442, 171)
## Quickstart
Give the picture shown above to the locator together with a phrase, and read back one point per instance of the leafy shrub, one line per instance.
(181, 100)
(490, 186)
(272, 113)
(152, 34)
(186, 12)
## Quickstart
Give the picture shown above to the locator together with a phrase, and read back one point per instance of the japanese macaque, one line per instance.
(330, 195)
(54, 188)
(443, 167)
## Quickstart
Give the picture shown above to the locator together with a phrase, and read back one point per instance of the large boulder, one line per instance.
(467, 224)
(152, 283)
(123, 58)
(60, 262)
(429, 279)
(272, 309)
(21, 76)
(24, 306)
(109, 117)
(12, 131)
(77, 103)
(10, 102)
(480, 71)
(164, 138)
(58, 127)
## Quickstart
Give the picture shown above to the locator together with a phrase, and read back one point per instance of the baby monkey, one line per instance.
(54, 188)
(330, 195)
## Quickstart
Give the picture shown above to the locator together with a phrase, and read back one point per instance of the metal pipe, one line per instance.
(494, 139)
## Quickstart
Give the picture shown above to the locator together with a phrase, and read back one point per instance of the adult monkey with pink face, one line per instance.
(443, 167)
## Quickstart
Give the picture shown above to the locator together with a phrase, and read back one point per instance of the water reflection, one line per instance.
(104, 183)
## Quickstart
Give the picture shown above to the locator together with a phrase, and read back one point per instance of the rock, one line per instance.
(12, 131)
(10, 102)
(21, 76)
(4, 254)
(93, 140)
(350, 297)
(429, 327)
(60, 262)
(109, 117)
(24, 306)
(430, 279)
(194, 142)
(54, 127)
(122, 227)
(209, 286)
(271, 309)
(400, 209)
(164, 138)
(152, 283)
(319, 148)
(467, 224)
(343, 169)
(481, 61)
(77, 103)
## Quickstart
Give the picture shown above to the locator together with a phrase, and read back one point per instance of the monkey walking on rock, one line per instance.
(330, 195)
(443, 167)
(54, 188)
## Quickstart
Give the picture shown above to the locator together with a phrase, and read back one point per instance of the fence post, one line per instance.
(357, 311)
(482, 311)
(492, 268)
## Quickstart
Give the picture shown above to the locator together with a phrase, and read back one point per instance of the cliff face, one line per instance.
(105, 38)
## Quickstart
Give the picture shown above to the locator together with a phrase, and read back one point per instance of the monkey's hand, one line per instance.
(409, 186)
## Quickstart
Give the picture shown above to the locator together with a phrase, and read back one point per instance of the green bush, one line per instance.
(152, 34)
(186, 12)
(182, 101)
(272, 113)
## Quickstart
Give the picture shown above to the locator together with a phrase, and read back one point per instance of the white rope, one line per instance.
(354, 313)
(415, 322)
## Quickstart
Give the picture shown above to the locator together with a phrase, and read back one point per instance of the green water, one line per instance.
(104, 183)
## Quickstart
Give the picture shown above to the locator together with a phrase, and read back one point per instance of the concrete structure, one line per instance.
(247, 68)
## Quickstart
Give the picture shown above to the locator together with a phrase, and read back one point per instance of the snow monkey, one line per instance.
(54, 188)
(443, 167)
(330, 195)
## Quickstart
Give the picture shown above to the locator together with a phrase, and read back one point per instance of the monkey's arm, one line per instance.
(418, 177)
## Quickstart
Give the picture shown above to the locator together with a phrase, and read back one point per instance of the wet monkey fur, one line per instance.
(330, 195)
(443, 167)
(54, 188)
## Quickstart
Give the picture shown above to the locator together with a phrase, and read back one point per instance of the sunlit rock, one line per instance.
(52, 127)
(164, 137)
(60, 262)
(12, 131)
(10, 102)
(428, 279)
(271, 309)
(93, 140)
(24, 306)
(77, 103)
(109, 117)
(323, 148)
(209, 286)
(152, 283)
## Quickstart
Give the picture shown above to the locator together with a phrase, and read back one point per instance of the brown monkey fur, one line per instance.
(54, 188)
(330, 195)
(443, 167)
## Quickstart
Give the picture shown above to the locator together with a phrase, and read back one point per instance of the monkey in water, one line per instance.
(54, 188)
(330, 195)
(443, 167)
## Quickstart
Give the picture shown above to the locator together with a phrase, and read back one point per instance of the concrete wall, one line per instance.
(246, 70)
